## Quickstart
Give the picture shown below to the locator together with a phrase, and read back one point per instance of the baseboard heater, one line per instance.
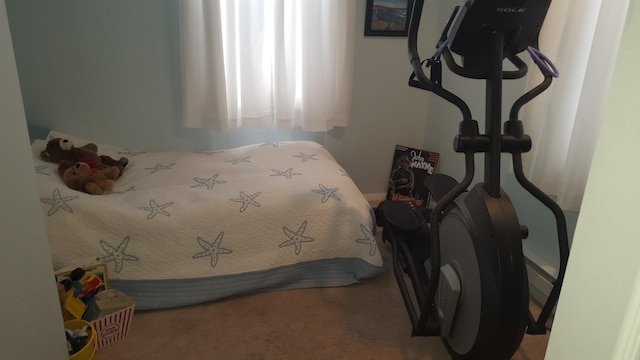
(540, 281)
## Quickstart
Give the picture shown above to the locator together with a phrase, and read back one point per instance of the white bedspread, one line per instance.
(186, 215)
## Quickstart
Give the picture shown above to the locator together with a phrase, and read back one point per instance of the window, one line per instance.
(260, 63)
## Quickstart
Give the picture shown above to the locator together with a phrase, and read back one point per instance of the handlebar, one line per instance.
(418, 78)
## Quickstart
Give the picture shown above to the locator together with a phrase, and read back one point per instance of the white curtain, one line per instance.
(259, 63)
(581, 37)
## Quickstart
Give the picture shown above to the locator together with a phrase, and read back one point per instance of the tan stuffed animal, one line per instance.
(93, 181)
(63, 152)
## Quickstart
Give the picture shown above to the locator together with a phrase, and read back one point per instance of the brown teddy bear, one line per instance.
(63, 152)
(93, 181)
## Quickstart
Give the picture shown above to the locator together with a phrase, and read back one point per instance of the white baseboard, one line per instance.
(375, 197)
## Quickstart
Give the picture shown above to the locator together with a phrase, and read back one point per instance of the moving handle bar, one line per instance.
(423, 82)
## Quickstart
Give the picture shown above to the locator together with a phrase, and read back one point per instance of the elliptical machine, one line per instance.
(463, 258)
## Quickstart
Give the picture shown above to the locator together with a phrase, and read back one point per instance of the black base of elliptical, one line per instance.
(405, 228)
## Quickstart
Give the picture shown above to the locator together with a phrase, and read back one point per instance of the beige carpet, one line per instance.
(363, 321)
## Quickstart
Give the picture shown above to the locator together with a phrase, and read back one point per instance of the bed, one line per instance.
(182, 228)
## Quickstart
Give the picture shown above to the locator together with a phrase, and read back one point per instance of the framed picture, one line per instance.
(388, 17)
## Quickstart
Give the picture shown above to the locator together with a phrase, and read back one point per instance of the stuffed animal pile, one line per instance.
(93, 181)
(82, 168)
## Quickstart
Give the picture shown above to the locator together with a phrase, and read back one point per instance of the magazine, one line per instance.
(409, 169)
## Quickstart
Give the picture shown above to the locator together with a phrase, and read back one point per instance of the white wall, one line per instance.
(385, 110)
(598, 315)
(32, 326)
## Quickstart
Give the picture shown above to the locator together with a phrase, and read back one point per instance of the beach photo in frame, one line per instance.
(387, 17)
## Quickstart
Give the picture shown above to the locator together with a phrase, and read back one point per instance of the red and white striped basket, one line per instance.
(113, 327)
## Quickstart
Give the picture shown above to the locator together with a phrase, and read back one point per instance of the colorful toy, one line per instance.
(77, 339)
(77, 292)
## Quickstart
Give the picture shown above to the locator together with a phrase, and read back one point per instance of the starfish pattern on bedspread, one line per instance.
(296, 238)
(368, 239)
(327, 193)
(117, 254)
(288, 174)
(58, 202)
(130, 188)
(159, 167)
(306, 157)
(213, 250)
(236, 161)
(155, 209)
(210, 152)
(40, 169)
(131, 153)
(274, 144)
(247, 200)
(209, 183)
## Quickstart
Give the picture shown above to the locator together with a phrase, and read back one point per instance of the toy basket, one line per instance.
(89, 350)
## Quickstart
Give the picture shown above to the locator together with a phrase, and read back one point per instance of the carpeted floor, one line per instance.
(363, 321)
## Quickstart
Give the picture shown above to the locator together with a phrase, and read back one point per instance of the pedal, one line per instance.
(402, 215)
(447, 298)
